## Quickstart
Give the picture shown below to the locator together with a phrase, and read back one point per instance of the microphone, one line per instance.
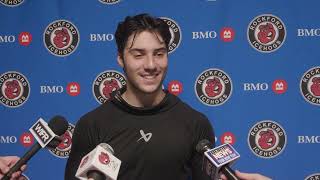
(43, 133)
(218, 159)
(99, 164)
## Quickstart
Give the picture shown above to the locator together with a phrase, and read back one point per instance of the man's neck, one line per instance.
(140, 99)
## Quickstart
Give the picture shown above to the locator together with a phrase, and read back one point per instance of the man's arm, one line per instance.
(82, 144)
(203, 130)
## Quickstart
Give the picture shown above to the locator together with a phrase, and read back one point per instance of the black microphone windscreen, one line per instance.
(58, 125)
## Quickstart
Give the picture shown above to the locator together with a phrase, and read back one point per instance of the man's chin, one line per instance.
(151, 90)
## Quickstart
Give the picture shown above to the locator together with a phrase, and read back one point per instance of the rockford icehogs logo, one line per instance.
(315, 176)
(104, 158)
(266, 33)
(108, 2)
(175, 32)
(64, 148)
(213, 87)
(310, 86)
(61, 38)
(15, 89)
(107, 82)
(267, 139)
(11, 3)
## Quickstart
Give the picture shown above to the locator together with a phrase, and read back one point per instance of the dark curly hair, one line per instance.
(136, 24)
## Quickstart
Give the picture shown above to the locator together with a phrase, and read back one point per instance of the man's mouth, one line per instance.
(150, 76)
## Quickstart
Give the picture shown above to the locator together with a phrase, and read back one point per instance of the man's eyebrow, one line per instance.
(161, 49)
(136, 49)
(143, 50)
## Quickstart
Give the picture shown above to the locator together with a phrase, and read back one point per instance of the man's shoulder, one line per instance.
(186, 108)
(190, 115)
(97, 114)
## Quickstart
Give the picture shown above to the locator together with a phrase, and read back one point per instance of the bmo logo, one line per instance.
(175, 87)
(26, 139)
(308, 139)
(7, 38)
(255, 86)
(204, 35)
(101, 37)
(8, 140)
(279, 86)
(51, 89)
(73, 89)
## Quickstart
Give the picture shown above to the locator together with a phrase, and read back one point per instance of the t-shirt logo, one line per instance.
(145, 137)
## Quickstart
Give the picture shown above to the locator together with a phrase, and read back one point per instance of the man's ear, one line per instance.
(120, 60)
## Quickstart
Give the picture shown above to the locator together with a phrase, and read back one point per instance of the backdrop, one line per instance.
(252, 67)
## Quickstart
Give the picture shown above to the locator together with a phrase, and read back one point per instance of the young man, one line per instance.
(8, 161)
(152, 132)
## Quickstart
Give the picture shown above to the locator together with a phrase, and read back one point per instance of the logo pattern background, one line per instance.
(298, 54)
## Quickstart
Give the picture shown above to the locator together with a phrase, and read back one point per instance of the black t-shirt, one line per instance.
(155, 143)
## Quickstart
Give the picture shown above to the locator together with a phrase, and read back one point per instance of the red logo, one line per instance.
(12, 89)
(104, 158)
(315, 86)
(279, 86)
(266, 33)
(61, 38)
(227, 34)
(267, 139)
(109, 86)
(26, 139)
(228, 137)
(25, 38)
(73, 89)
(175, 87)
(66, 141)
(213, 87)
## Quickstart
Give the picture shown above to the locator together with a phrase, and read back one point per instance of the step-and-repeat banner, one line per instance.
(252, 67)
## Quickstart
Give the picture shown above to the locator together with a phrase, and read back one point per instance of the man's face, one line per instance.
(145, 62)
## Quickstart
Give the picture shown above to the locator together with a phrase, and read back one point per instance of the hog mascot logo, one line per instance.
(310, 86)
(12, 89)
(64, 148)
(107, 82)
(66, 141)
(213, 87)
(267, 139)
(266, 33)
(110, 86)
(315, 87)
(104, 158)
(61, 38)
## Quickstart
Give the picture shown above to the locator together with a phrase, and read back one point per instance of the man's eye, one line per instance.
(159, 54)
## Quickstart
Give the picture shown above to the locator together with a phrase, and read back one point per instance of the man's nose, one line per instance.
(150, 63)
